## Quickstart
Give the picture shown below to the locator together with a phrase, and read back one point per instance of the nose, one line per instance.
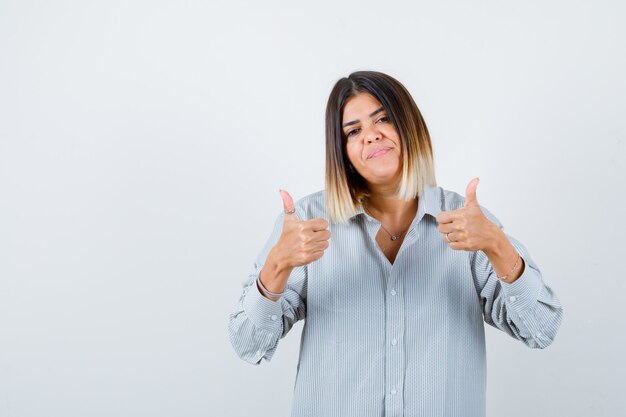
(371, 135)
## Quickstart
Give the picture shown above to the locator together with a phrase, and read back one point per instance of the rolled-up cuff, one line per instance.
(262, 311)
(522, 294)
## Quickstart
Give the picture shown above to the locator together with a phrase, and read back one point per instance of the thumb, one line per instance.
(288, 206)
(470, 193)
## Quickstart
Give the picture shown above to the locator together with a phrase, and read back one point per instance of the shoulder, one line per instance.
(451, 200)
(312, 206)
(439, 199)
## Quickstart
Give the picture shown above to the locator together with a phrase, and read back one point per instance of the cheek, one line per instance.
(392, 134)
(353, 153)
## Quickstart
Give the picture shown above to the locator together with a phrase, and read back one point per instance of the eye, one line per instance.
(352, 132)
(383, 119)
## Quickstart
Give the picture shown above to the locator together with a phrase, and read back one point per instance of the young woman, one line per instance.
(393, 289)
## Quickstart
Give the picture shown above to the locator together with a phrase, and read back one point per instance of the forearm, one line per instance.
(503, 257)
(274, 274)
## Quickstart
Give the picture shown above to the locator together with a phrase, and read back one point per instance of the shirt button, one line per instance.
(393, 392)
(512, 298)
(538, 334)
(274, 317)
(394, 342)
(393, 292)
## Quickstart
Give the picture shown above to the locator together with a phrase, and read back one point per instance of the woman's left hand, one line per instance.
(467, 228)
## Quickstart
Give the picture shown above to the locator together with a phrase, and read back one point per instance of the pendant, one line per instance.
(394, 237)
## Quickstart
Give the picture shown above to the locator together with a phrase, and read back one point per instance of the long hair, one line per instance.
(345, 187)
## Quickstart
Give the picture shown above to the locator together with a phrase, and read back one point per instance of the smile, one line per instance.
(378, 153)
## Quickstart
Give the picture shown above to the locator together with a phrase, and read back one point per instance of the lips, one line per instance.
(378, 152)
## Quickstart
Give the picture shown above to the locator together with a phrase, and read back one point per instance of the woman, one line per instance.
(395, 288)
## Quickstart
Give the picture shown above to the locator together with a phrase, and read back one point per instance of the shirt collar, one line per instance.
(429, 203)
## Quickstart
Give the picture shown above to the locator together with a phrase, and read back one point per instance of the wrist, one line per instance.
(265, 292)
(506, 261)
(275, 273)
(514, 273)
(277, 264)
(498, 243)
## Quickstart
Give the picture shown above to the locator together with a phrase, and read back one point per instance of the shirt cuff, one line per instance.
(263, 312)
(523, 293)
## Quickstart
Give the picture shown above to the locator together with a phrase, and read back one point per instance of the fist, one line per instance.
(467, 228)
(301, 242)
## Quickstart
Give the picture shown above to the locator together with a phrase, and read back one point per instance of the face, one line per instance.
(373, 144)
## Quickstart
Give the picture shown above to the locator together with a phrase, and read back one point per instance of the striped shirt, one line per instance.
(401, 339)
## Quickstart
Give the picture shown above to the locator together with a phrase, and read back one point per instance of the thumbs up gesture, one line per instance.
(301, 242)
(467, 228)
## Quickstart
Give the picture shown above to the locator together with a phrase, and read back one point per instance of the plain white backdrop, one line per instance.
(143, 143)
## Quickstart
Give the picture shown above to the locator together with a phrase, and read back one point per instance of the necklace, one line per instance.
(391, 235)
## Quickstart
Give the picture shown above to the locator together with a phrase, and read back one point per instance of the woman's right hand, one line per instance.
(300, 243)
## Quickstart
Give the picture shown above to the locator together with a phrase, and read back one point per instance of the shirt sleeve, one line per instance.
(526, 309)
(257, 323)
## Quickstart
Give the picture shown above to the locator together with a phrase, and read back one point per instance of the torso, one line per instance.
(389, 247)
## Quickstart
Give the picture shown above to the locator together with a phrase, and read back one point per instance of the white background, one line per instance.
(143, 143)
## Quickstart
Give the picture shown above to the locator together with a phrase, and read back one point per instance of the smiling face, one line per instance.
(373, 144)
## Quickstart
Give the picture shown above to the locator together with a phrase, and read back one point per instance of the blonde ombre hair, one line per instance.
(345, 187)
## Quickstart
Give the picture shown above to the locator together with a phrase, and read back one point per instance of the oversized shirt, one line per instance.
(401, 339)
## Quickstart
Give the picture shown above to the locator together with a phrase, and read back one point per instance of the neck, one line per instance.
(383, 203)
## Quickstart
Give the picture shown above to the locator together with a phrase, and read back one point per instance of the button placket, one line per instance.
(394, 355)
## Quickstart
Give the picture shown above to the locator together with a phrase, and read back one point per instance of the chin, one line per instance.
(385, 172)
(382, 179)
(383, 176)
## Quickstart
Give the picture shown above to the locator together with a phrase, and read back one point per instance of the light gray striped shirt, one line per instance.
(401, 339)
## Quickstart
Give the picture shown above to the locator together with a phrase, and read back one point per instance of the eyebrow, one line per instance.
(372, 114)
